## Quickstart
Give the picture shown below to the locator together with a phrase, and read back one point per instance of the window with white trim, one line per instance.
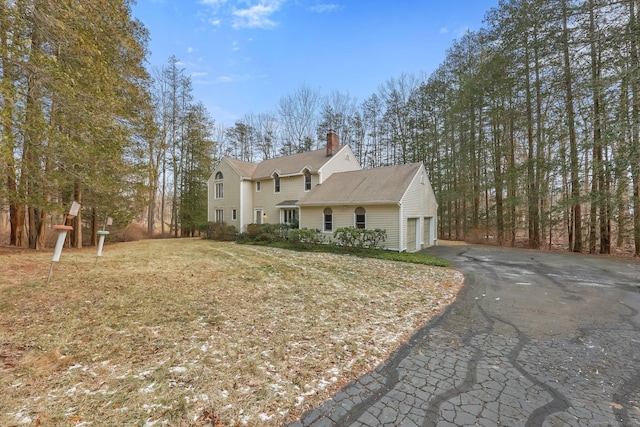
(360, 217)
(219, 186)
(219, 190)
(307, 181)
(327, 220)
(276, 184)
(234, 215)
(290, 216)
(257, 185)
(219, 215)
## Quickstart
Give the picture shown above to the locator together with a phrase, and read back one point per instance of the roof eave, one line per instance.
(349, 203)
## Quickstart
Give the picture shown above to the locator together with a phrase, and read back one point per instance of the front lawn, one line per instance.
(196, 332)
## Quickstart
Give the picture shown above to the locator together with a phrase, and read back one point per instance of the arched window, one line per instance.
(360, 218)
(219, 186)
(328, 219)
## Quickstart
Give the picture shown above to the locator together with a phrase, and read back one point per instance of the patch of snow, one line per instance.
(149, 388)
(178, 369)
(265, 417)
(143, 374)
(21, 417)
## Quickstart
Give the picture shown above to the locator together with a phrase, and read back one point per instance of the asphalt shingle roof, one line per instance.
(370, 186)
(293, 164)
(245, 169)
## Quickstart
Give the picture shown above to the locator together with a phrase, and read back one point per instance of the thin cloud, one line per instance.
(444, 30)
(232, 78)
(199, 74)
(324, 8)
(257, 16)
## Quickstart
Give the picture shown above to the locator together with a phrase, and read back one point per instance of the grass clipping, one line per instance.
(192, 332)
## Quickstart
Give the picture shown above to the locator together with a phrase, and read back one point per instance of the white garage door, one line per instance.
(411, 234)
(427, 232)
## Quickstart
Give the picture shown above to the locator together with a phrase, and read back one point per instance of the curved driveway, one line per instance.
(534, 339)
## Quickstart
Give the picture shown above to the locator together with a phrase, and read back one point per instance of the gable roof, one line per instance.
(293, 164)
(245, 169)
(367, 186)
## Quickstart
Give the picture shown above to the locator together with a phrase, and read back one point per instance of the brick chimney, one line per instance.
(332, 143)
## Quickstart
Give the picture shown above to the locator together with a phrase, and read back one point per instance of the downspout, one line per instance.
(208, 201)
(400, 222)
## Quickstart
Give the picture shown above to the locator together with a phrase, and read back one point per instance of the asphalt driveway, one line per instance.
(534, 339)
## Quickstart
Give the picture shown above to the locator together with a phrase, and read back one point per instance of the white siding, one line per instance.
(343, 161)
(231, 194)
(377, 216)
(246, 212)
(291, 188)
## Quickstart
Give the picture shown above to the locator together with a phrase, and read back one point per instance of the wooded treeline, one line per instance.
(529, 128)
(81, 119)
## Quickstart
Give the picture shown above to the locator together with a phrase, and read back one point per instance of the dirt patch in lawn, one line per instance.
(194, 332)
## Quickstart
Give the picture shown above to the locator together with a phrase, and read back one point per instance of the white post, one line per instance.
(62, 235)
(101, 236)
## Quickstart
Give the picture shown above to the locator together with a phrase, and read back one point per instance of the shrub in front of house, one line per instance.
(361, 238)
(306, 237)
(220, 231)
(264, 233)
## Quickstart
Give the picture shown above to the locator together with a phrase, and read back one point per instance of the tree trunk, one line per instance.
(576, 229)
(76, 234)
(94, 227)
(635, 120)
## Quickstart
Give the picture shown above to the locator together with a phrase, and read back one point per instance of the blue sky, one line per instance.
(244, 55)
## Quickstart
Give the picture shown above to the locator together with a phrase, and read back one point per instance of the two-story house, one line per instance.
(326, 189)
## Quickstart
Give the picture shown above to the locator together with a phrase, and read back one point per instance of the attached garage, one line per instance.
(398, 199)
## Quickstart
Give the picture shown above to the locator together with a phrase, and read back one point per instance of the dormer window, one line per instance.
(307, 181)
(276, 183)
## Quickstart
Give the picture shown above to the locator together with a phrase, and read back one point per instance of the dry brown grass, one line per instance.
(194, 332)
